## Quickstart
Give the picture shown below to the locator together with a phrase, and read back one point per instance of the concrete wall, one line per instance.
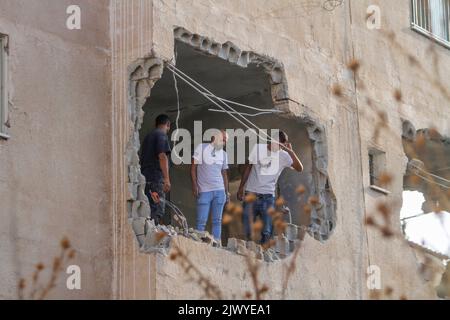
(64, 172)
(55, 170)
(132, 38)
(315, 45)
(384, 69)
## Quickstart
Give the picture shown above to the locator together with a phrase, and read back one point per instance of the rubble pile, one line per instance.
(157, 239)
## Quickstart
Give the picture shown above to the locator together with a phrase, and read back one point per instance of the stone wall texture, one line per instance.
(55, 170)
(64, 171)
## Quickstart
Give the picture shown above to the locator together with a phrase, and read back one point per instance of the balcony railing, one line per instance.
(432, 18)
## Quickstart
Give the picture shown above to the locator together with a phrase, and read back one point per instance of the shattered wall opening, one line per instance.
(240, 76)
(425, 216)
(428, 155)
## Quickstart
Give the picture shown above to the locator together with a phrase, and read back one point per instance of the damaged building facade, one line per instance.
(79, 103)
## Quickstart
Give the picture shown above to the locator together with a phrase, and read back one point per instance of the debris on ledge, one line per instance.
(157, 239)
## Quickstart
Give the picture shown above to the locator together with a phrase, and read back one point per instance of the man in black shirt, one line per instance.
(155, 166)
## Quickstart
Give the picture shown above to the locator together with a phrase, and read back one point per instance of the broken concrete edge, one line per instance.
(159, 238)
(409, 132)
(232, 53)
(323, 213)
(143, 74)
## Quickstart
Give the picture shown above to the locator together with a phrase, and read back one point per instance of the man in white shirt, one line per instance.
(210, 182)
(266, 162)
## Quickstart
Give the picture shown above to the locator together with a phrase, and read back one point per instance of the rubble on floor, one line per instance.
(157, 239)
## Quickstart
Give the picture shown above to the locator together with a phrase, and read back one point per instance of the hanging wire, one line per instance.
(244, 113)
(430, 174)
(442, 169)
(246, 106)
(178, 97)
(178, 103)
(432, 181)
(208, 95)
(433, 175)
(194, 83)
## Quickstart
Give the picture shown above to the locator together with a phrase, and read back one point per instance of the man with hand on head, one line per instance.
(266, 162)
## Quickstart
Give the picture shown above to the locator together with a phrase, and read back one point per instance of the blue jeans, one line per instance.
(213, 201)
(259, 208)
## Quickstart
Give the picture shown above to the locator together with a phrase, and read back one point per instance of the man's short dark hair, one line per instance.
(283, 137)
(162, 119)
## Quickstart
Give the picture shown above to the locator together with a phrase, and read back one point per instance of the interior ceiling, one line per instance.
(226, 80)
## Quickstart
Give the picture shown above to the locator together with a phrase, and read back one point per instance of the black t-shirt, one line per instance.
(155, 142)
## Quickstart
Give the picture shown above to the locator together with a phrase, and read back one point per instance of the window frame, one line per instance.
(377, 165)
(415, 22)
(4, 101)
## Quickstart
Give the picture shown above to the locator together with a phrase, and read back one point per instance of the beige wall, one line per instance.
(315, 48)
(384, 69)
(55, 171)
(131, 29)
(63, 171)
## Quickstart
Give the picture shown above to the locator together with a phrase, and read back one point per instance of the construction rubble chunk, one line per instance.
(157, 239)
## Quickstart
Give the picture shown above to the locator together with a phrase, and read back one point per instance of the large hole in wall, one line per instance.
(244, 77)
(250, 86)
(425, 211)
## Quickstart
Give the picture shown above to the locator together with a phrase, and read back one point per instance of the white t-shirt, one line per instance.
(210, 162)
(267, 167)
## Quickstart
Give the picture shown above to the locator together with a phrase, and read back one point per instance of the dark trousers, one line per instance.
(155, 184)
